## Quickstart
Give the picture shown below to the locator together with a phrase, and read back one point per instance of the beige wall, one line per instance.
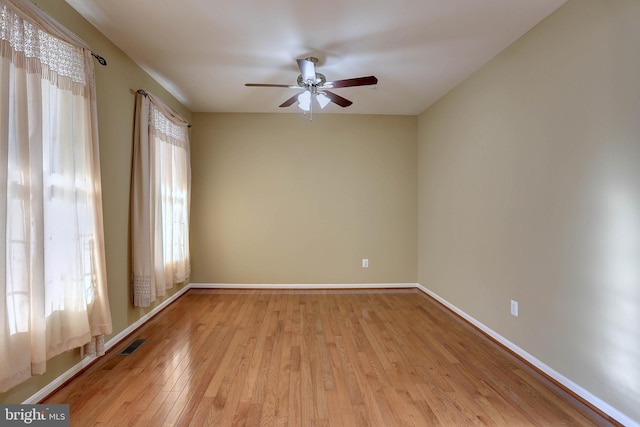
(279, 199)
(115, 116)
(529, 189)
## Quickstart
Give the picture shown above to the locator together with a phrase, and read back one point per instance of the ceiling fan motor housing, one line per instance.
(312, 86)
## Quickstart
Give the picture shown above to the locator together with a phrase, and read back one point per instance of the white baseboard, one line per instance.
(555, 375)
(59, 381)
(561, 379)
(304, 286)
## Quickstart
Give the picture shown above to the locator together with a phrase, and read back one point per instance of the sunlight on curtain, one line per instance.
(159, 200)
(52, 263)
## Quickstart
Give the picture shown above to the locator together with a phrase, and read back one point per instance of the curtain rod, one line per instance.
(143, 93)
(100, 59)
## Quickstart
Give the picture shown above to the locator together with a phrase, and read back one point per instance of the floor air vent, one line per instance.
(132, 347)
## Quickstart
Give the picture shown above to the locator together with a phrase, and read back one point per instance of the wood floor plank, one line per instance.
(315, 358)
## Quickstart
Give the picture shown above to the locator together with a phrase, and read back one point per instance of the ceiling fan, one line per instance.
(315, 85)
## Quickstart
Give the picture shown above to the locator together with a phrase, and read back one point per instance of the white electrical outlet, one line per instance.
(514, 308)
(365, 263)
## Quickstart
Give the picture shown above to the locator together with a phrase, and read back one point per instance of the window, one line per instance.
(53, 294)
(159, 200)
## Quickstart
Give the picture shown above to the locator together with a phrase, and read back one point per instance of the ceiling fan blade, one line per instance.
(290, 101)
(268, 85)
(337, 99)
(307, 70)
(358, 81)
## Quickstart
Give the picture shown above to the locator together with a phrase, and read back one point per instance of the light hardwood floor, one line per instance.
(314, 358)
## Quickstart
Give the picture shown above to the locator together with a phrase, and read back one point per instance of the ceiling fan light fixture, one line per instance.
(322, 99)
(304, 101)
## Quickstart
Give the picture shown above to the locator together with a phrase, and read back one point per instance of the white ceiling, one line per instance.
(203, 51)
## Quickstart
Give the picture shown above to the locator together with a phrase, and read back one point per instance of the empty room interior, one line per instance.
(480, 199)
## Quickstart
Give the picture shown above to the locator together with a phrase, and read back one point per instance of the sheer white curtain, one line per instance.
(53, 294)
(160, 196)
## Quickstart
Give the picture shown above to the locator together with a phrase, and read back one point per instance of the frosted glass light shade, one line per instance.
(304, 101)
(322, 99)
